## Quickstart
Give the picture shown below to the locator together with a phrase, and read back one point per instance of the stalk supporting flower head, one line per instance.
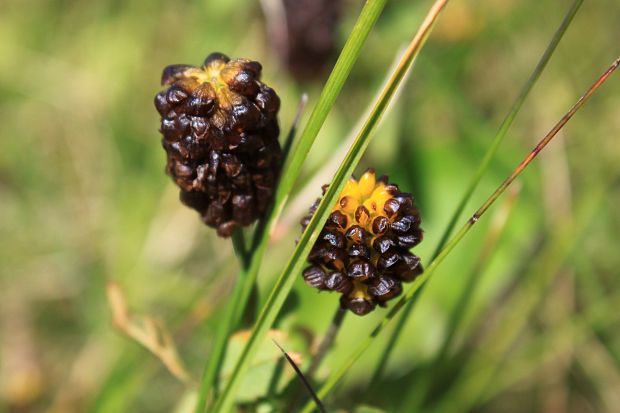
(363, 250)
(220, 132)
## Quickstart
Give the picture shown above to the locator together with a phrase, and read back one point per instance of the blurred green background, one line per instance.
(84, 200)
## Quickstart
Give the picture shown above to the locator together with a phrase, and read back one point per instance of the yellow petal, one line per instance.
(351, 188)
(367, 183)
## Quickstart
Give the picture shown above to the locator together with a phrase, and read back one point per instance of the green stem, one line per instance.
(484, 165)
(507, 122)
(229, 322)
(250, 264)
(328, 341)
(415, 399)
(481, 368)
(238, 242)
(293, 267)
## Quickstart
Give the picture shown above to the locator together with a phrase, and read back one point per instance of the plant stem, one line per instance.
(484, 165)
(238, 242)
(250, 263)
(230, 320)
(290, 138)
(296, 261)
(520, 308)
(328, 341)
(499, 220)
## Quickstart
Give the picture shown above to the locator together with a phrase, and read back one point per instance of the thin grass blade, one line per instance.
(291, 170)
(484, 165)
(303, 379)
(296, 156)
(507, 122)
(216, 358)
(290, 138)
(498, 222)
(479, 371)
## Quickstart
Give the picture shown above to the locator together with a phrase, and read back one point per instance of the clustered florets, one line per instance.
(363, 250)
(220, 133)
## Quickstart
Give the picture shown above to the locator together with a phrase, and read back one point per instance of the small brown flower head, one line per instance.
(309, 45)
(220, 132)
(363, 250)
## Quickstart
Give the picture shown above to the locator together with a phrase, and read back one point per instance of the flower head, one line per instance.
(363, 250)
(220, 132)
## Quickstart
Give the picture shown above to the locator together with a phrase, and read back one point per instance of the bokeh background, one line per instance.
(84, 201)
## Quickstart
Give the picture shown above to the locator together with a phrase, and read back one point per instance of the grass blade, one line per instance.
(290, 138)
(499, 221)
(484, 165)
(297, 260)
(292, 168)
(520, 307)
(216, 357)
(303, 379)
(507, 122)
(326, 344)
(456, 239)
(458, 311)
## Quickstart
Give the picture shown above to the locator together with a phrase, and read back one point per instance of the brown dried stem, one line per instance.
(147, 331)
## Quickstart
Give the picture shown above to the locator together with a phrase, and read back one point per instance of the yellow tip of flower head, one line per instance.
(363, 250)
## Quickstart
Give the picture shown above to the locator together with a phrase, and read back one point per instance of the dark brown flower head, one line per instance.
(220, 132)
(308, 46)
(363, 250)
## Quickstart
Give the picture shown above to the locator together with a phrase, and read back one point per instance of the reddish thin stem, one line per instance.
(558, 126)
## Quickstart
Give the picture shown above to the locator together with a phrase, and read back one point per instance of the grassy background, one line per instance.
(83, 200)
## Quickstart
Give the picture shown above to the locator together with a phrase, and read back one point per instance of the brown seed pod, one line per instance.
(363, 250)
(220, 133)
